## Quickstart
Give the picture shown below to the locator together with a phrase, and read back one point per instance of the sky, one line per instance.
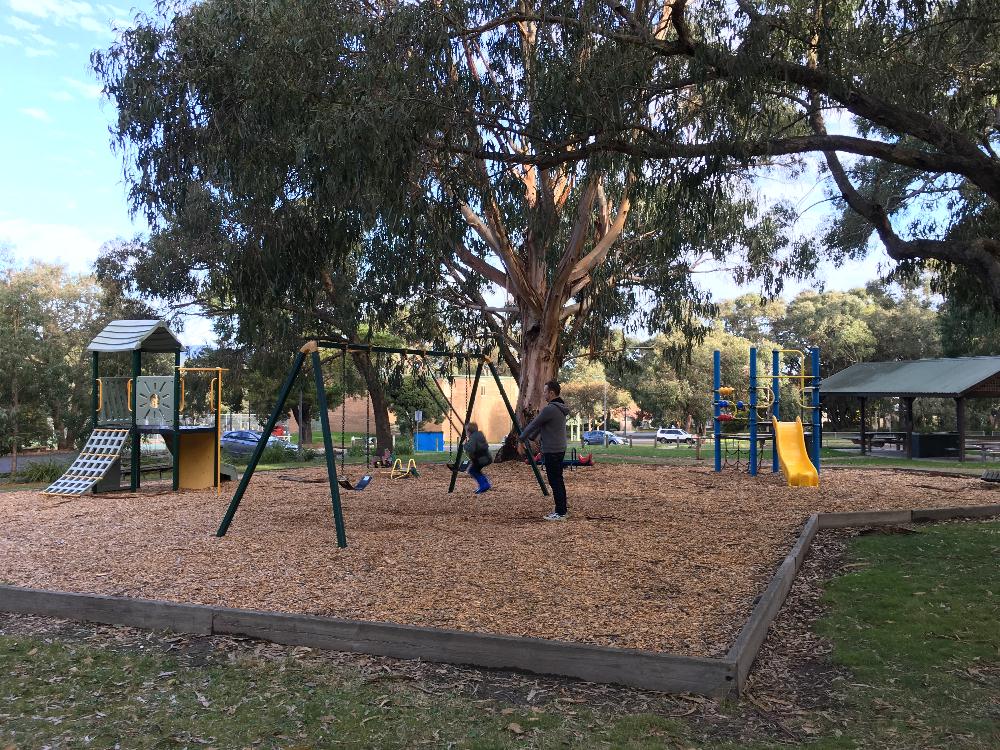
(62, 192)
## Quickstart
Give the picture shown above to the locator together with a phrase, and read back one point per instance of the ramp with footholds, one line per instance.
(99, 455)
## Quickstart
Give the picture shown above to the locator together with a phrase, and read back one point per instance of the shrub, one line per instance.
(42, 471)
(276, 454)
(404, 446)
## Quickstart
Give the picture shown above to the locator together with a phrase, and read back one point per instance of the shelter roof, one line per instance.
(130, 335)
(947, 378)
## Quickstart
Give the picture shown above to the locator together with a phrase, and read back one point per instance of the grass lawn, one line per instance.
(913, 627)
(917, 626)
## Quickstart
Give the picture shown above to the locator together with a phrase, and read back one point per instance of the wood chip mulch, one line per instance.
(653, 557)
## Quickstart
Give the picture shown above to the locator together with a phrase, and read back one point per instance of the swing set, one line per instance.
(312, 349)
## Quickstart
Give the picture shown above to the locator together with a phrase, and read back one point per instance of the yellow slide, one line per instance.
(795, 464)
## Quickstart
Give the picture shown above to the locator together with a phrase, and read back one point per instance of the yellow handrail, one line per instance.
(180, 407)
(100, 394)
(128, 395)
(211, 393)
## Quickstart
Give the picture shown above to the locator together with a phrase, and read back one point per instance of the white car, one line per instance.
(674, 435)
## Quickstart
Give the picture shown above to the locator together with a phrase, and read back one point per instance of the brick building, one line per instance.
(489, 412)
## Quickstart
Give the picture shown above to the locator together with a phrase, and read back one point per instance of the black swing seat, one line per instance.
(361, 484)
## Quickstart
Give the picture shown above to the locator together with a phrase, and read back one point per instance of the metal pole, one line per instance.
(218, 430)
(517, 427)
(605, 425)
(817, 412)
(468, 416)
(861, 430)
(775, 404)
(175, 439)
(94, 407)
(716, 409)
(331, 461)
(136, 447)
(262, 443)
(960, 418)
(753, 411)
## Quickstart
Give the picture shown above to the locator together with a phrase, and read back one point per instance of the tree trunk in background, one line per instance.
(14, 426)
(380, 406)
(304, 422)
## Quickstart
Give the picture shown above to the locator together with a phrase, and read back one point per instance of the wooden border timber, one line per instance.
(643, 669)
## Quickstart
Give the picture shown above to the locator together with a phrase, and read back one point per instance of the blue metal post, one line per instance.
(716, 411)
(775, 403)
(817, 413)
(754, 453)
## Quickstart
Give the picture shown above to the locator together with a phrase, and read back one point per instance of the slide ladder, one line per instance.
(99, 455)
(790, 439)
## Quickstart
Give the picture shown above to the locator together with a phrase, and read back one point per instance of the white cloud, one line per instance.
(53, 243)
(36, 52)
(21, 25)
(62, 96)
(60, 11)
(42, 39)
(12, 41)
(89, 23)
(38, 114)
(89, 90)
(66, 13)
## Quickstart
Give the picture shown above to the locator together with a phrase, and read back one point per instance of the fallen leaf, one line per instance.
(515, 728)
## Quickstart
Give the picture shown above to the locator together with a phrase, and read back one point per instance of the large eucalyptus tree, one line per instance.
(315, 130)
(918, 81)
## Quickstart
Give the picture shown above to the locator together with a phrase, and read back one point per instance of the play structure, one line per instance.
(418, 358)
(789, 452)
(124, 409)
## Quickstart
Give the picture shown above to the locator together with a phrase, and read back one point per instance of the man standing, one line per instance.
(550, 427)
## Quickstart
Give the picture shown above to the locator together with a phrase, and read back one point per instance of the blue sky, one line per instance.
(62, 194)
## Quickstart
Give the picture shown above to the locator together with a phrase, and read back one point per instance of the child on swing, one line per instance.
(479, 456)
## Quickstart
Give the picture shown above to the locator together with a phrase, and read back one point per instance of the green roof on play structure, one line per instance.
(129, 335)
(960, 376)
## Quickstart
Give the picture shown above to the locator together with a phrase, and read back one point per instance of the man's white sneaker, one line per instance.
(553, 517)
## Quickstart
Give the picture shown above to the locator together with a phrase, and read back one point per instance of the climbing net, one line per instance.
(736, 452)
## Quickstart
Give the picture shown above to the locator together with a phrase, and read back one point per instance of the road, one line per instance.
(23, 459)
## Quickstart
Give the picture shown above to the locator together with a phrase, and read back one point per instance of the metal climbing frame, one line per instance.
(99, 455)
(312, 348)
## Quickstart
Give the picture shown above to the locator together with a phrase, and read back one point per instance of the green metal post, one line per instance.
(468, 416)
(517, 426)
(331, 460)
(136, 442)
(262, 443)
(176, 438)
(93, 395)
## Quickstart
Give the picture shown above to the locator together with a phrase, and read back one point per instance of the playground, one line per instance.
(653, 557)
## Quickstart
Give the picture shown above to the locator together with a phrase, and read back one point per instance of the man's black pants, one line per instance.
(554, 473)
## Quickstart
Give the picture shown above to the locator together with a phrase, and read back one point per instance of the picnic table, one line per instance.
(881, 439)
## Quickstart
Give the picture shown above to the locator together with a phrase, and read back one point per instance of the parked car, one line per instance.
(674, 435)
(597, 437)
(243, 442)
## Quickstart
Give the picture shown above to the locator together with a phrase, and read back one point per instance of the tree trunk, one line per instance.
(538, 366)
(380, 406)
(304, 422)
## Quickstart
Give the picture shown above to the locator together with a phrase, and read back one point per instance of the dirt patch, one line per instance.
(653, 557)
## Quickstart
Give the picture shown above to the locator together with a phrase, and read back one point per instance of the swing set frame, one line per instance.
(312, 349)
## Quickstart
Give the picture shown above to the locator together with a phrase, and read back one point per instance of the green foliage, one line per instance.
(403, 446)
(41, 471)
(406, 396)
